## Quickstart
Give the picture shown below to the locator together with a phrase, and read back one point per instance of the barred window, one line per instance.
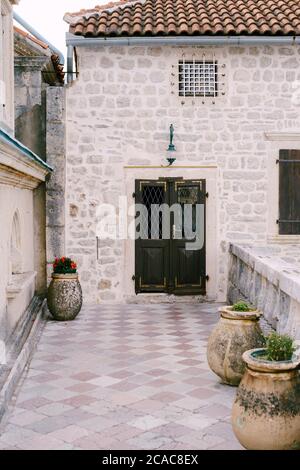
(198, 78)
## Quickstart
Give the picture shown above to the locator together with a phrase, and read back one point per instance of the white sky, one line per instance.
(47, 16)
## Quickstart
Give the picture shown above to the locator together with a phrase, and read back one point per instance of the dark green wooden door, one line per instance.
(170, 236)
(152, 252)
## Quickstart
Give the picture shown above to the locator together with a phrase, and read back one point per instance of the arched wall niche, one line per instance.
(16, 245)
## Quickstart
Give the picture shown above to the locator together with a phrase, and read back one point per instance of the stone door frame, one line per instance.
(210, 174)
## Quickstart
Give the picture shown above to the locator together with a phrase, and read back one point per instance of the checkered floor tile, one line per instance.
(123, 377)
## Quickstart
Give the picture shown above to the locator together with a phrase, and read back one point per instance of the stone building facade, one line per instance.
(40, 124)
(21, 173)
(39, 94)
(28, 74)
(119, 110)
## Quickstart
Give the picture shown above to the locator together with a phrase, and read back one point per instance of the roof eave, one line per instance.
(26, 158)
(76, 40)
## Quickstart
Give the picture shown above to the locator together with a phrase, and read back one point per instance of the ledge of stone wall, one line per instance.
(269, 278)
(19, 350)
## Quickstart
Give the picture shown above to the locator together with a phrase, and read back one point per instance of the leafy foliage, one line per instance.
(280, 347)
(64, 266)
(242, 307)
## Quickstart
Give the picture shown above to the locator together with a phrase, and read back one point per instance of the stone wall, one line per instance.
(269, 278)
(118, 114)
(40, 125)
(55, 187)
(30, 103)
(39, 225)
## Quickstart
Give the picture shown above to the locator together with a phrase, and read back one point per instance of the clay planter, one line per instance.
(266, 412)
(64, 297)
(235, 333)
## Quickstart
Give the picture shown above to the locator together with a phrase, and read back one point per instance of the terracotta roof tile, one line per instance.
(26, 35)
(54, 71)
(58, 68)
(188, 17)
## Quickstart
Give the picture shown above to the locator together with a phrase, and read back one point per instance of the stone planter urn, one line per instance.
(64, 296)
(235, 333)
(266, 412)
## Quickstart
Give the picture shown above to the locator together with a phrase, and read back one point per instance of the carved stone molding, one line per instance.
(11, 177)
(18, 169)
(282, 136)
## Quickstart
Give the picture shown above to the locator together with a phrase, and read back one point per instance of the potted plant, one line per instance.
(266, 412)
(64, 293)
(237, 331)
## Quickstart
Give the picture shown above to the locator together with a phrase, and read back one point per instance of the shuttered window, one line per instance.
(289, 192)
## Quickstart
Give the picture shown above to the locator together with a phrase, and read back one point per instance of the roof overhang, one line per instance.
(19, 166)
(74, 40)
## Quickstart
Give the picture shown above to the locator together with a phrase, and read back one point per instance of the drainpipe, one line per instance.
(31, 30)
(70, 58)
(73, 40)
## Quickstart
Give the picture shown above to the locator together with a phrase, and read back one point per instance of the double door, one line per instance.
(170, 236)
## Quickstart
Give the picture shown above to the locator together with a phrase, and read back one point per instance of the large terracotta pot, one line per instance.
(266, 412)
(64, 296)
(235, 333)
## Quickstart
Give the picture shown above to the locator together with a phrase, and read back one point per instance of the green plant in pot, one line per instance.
(279, 348)
(266, 412)
(242, 307)
(64, 297)
(237, 331)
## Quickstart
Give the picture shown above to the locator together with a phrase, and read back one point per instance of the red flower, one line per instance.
(64, 265)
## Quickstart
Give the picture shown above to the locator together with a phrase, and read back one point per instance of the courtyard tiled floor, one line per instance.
(123, 377)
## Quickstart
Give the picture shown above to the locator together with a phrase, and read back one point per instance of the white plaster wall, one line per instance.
(12, 199)
(118, 114)
(7, 64)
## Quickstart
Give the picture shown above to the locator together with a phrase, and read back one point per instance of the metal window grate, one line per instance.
(152, 197)
(198, 78)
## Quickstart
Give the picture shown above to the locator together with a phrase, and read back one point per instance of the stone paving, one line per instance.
(123, 377)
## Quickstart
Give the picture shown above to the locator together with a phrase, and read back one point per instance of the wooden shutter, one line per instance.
(289, 192)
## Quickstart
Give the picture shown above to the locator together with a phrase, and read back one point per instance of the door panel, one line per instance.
(187, 272)
(188, 253)
(170, 260)
(152, 252)
(153, 269)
